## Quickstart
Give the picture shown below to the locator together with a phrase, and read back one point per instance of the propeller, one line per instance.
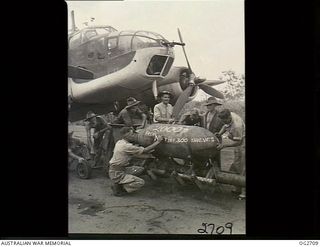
(194, 81)
(184, 51)
(209, 90)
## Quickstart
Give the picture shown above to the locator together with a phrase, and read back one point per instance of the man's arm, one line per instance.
(234, 139)
(73, 155)
(223, 130)
(119, 119)
(137, 150)
(89, 141)
(144, 120)
(158, 118)
(183, 118)
(153, 145)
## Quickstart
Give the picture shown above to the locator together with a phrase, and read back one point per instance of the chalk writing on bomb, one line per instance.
(170, 129)
(202, 139)
(178, 130)
(176, 140)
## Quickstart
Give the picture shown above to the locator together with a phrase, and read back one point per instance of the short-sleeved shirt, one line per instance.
(122, 154)
(129, 118)
(236, 129)
(162, 110)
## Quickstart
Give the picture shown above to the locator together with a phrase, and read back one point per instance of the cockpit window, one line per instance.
(102, 31)
(143, 42)
(124, 44)
(75, 40)
(88, 35)
(156, 64)
(144, 39)
(112, 43)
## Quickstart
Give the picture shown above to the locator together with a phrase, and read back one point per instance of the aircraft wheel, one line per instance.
(83, 170)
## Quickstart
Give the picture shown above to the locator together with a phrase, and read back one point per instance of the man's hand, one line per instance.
(80, 160)
(217, 135)
(95, 135)
(171, 120)
(159, 138)
(220, 146)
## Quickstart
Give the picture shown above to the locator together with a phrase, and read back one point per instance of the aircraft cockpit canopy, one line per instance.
(89, 33)
(92, 46)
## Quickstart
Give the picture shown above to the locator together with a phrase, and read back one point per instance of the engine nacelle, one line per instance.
(179, 86)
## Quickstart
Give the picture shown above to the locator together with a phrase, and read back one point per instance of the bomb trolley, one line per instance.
(100, 160)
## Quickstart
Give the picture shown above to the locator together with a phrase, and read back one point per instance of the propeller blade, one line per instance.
(211, 91)
(182, 100)
(184, 51)
(155, 89)
(79, 73)
(213, 82)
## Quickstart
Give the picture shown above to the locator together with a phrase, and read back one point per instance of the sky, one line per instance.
(213, 30)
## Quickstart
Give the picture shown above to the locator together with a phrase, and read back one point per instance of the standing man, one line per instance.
(131, 115)
(125, 180)
(234, 126)
(212, 122)
(99, 126)
(163, 111)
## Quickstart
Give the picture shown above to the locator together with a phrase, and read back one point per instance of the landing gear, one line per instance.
(83, 170)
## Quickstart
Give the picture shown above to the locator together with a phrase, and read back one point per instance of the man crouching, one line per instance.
(124, 178)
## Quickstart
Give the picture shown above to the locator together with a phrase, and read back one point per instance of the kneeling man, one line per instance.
(124, 178)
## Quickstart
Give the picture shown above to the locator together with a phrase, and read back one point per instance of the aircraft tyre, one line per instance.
(83, 170)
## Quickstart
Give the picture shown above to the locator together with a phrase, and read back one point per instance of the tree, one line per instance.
(234, 86)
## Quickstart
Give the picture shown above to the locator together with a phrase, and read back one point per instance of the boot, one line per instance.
(242, 196)
(236, 190)
(152, 175)
(117, 190)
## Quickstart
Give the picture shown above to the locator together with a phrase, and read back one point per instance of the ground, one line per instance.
(161, 207)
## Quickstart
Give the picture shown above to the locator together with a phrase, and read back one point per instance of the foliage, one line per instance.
(234, 86)
(237, 106)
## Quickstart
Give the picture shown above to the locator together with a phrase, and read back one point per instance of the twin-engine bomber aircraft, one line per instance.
(107, 66)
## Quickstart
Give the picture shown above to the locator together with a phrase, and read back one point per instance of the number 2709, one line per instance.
(215, 230)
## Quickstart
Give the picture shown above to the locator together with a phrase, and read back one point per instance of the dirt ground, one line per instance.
(161, 207)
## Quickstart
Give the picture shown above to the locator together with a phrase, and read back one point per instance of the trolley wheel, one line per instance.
(83, 170)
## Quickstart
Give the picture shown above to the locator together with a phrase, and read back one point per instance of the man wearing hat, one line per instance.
(212, 122)
(99, 125)
(123, 176)
(235, 127)
(162, 112)
(131, 115)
